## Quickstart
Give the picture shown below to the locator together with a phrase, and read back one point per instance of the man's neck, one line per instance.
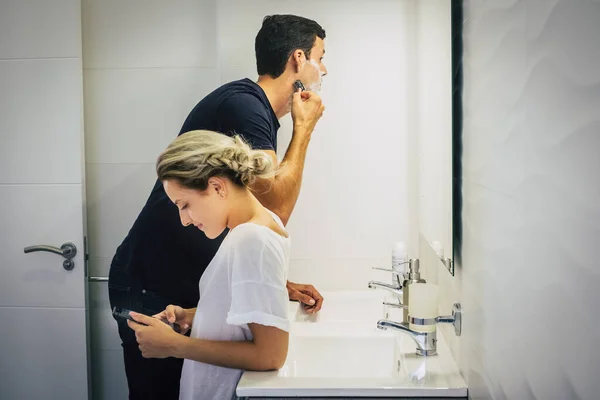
(279, 93)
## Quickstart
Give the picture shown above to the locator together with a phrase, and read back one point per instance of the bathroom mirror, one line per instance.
(378, 168)
(437, 124)
(457, 119)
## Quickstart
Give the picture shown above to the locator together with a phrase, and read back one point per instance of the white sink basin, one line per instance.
(356, 366)
(363, 357)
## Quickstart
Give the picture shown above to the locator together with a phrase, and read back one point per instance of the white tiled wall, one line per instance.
(21, 22)
(149, 34)
(529, 277)
(146, 64)
(40, 90)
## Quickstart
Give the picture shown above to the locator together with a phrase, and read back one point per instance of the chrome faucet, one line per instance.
(426, 341)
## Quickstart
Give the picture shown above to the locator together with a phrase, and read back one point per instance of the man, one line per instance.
(160, 262)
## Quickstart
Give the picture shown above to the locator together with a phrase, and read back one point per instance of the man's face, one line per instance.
(313, 70)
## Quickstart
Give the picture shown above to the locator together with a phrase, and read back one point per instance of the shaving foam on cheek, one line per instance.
(315, 64)
(316, 86)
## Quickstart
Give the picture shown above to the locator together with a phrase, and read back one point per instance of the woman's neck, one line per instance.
(244, 208)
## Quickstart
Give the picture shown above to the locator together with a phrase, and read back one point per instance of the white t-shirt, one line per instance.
(244, 283)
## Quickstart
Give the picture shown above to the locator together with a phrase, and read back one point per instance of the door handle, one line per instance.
(67, 250)
(98, 278)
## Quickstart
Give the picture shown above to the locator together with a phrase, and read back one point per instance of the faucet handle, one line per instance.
(396, 305)
(399, 276)
(389, 270)
(411, 261)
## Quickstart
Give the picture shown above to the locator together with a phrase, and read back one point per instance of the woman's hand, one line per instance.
(156, 339)
(177, 315)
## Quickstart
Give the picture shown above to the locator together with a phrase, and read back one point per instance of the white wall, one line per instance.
(355, 188)
(42, 306)
(147, 63)
(530, 275)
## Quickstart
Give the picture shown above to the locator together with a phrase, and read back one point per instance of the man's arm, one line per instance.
(280, 193)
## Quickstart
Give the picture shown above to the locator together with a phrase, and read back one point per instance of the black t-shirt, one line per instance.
(159, 253)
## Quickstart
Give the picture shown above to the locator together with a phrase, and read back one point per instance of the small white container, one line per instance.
(423, 303)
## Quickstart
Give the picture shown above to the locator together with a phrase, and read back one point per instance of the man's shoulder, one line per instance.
(243, 107)
(244, 100)
(242, 90)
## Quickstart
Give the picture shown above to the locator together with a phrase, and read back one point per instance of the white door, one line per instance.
(42, 294)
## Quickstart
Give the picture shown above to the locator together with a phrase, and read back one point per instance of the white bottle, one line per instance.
(399, 258)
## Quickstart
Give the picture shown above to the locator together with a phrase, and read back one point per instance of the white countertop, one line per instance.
(340, 352)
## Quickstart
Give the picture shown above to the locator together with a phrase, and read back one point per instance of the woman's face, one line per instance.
(206, 210)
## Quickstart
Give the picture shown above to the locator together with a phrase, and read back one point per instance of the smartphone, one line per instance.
(298, 85)
(122, 313)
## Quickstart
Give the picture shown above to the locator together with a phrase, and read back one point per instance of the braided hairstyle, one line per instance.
(196, 156)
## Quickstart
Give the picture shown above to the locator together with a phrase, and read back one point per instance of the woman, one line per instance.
(241, 321)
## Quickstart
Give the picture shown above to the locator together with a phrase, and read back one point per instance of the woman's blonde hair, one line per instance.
(196, 156)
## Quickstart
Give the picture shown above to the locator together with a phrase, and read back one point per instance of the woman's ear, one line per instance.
(217, 185)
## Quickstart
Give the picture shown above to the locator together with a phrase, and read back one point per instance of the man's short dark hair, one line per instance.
(279, 36)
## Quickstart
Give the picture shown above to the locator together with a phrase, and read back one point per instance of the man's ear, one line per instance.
(298, 59)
